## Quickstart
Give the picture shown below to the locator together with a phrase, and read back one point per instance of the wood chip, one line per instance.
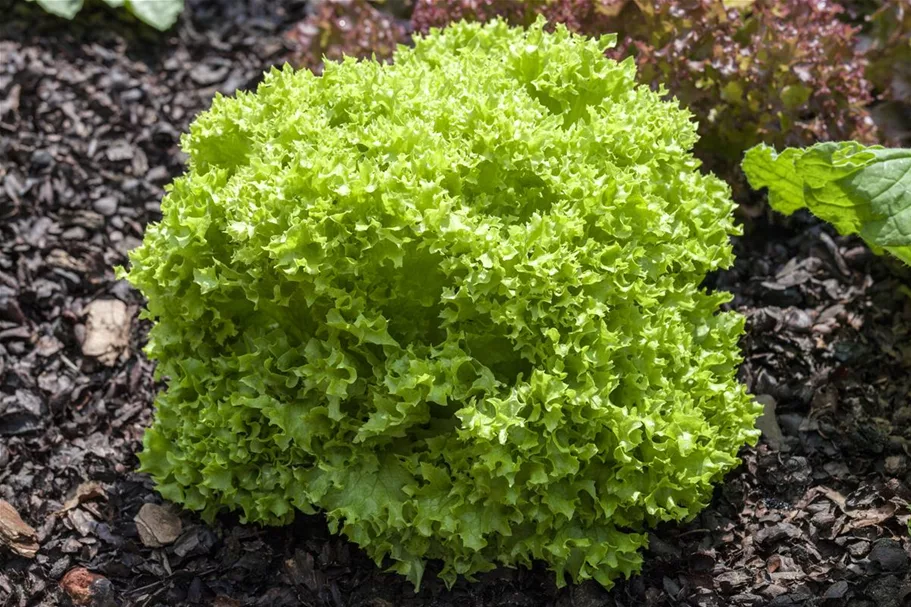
(870, 517)
(16, 534)
(84, 492)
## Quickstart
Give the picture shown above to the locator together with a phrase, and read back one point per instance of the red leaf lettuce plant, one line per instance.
(345, 28)
(782, 72)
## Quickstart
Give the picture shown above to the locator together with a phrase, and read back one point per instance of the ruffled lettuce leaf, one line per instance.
(453, 302)
(858, 189)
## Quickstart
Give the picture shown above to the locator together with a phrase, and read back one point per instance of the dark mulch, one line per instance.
(90, 114)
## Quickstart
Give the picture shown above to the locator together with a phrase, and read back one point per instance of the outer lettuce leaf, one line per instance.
(858, 189)
(160, 14)
(453, 303)
(62, 8)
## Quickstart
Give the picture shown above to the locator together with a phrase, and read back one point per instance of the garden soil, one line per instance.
(90, 117)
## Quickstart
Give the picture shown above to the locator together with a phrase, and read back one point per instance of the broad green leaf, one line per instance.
(62, 8)
(160, 14)
(858, 189)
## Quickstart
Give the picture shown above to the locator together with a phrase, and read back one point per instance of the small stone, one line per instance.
(889, 556)
(87, 588)
(106, 205)
(107, 333)
(77, 584)
(157, 525)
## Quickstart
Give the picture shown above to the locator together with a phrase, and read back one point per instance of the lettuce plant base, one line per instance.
(826, 337)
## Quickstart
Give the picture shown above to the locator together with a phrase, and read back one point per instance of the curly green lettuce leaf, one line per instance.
(453, 303)
(858, 189)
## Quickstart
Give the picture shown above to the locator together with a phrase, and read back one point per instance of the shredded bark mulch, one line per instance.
(90, 116)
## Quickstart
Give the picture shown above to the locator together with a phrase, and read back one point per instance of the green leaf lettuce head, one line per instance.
(452, 302)
(858, 189)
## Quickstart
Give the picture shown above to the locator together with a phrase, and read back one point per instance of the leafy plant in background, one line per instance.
(588, 16)
(160, 14)
(345, 28)
(887, 44)
(889, 50)
(860, 190)
(783, 72)
(454, 302)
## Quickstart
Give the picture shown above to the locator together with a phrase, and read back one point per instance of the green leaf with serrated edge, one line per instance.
(858, 189)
